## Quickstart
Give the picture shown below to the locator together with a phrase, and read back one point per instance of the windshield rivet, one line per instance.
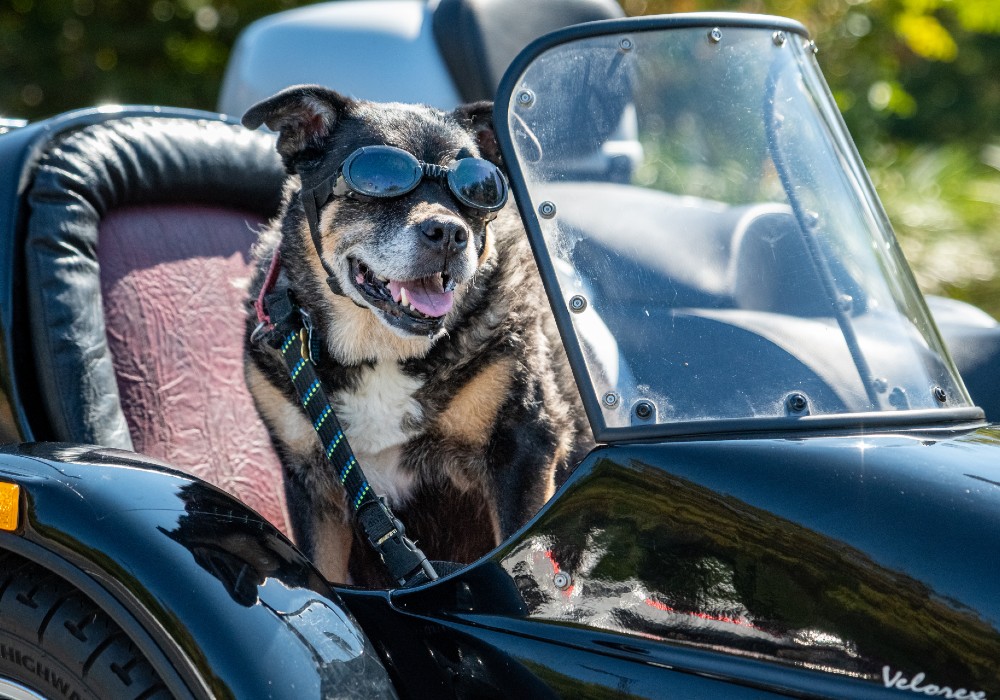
(625, 44)
(797, 403)
(778, 38)
(562, 581)
(940, 395)
(610, 399)
(715, 36)
(881, 384)
(813, 47)
(526, 98)
(643, 410)
(577, 303)
(547, 210)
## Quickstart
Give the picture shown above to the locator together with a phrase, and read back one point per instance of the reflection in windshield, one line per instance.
(704, 208)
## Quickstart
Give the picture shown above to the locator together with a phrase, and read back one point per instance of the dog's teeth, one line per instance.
(383, 279)
(403, 300)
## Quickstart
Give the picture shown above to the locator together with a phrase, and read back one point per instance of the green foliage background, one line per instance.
(916, 80)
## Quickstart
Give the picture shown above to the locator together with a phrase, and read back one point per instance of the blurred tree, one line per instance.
(912, 77)
(920, 70)
(57, 55)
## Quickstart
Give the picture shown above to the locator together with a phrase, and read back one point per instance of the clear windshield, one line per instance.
(714, 239)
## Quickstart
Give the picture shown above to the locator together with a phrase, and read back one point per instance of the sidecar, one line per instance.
(793, 493)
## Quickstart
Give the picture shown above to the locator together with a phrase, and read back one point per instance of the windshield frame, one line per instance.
(945, 417)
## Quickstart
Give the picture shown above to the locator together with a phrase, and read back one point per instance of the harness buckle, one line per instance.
(310, 341)
(387, 536)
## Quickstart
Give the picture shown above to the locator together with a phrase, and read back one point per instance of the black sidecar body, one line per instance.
(793, 493)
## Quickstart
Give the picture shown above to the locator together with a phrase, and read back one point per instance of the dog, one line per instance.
(437, 347)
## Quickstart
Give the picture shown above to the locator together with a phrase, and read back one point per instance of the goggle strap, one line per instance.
(312, 200)
(434, 172)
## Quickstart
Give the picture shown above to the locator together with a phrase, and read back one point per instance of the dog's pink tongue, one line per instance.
(427, 295)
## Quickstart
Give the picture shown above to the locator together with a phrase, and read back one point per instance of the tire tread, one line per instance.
(53, 620)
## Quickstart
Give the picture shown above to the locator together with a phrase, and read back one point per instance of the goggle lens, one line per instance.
(478, 183)
(385, 172)
(382, 172)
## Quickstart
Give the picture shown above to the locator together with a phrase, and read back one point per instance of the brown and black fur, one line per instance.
(483, 414)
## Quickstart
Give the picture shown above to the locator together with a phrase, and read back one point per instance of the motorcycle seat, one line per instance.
(132, 234)
(478, 40)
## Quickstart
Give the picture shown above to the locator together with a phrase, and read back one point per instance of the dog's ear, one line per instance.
(477, 117)
(304, 117)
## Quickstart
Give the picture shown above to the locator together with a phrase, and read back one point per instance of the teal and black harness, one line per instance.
(288, 329)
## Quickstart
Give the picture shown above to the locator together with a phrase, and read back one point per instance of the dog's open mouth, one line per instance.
(416, 305)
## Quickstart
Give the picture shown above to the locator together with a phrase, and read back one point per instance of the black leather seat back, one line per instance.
(136, 231)
(79, 179)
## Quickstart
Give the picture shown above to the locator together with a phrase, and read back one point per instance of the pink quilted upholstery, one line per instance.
(175, 314)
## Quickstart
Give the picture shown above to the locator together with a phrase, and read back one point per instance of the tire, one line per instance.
(57, 643)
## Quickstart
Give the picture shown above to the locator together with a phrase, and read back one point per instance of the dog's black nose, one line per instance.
(444, 234)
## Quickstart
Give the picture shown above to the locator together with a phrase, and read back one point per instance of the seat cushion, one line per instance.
(173, 281)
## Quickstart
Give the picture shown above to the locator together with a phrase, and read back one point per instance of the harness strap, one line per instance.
(384, 532)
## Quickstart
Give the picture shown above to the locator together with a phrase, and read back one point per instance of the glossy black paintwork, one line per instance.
(804, 566)
(224, 596)
(475, 655)
(706, 568)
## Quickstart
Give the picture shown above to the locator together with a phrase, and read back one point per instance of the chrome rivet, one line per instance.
(610, 400)
(881, 384)
(715, 35)
(526, 98)
(940, 395)
(625, 44)
(796, 402)
(778, 38)
(547, 209)
(644, 410)
(813, 47)
(577, 303)
(562, 581)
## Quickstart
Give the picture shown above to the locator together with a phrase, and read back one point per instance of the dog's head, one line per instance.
(407, 255)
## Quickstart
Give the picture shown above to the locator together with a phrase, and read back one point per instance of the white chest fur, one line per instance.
(376, 417)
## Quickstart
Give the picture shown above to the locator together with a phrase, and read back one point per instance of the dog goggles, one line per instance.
(386, 172)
